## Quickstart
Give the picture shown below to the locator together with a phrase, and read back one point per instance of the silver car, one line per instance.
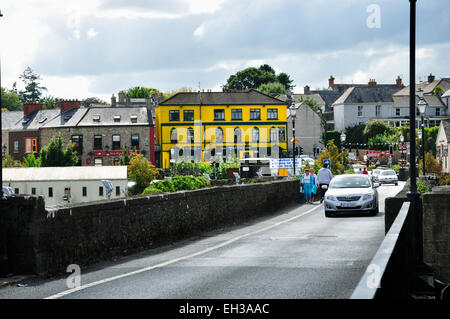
(375, 174)
(351, 193)
(388, 177)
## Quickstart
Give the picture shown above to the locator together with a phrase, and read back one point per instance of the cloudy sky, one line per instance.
(97, 47)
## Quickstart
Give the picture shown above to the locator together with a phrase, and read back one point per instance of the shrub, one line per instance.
(422, 186)
(350, 171)
(141, 171)
(431, 165)
(177, 183)
(444, 180)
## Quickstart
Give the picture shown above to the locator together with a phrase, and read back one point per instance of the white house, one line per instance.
(359, 104)
(62, 185)
(442, 145)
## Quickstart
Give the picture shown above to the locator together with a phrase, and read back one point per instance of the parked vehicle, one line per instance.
(351, 193)
(7, 191)
(388, 177)
(356, 167)
(375, 174)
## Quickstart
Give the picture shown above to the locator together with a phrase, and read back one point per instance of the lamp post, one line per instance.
(293, 114)
(343, 137)
(422, 106)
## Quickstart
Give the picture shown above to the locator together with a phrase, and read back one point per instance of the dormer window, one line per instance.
(96, 118)
(117, 118)
(133, 119)
(67, 117)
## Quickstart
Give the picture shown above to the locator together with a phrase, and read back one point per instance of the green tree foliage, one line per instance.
(177, 183)
(11, 101)
(187, 168)
(432, 165)
(54, 154)
(253, 78)
(126, 157)
(141, 171)
(49, 102)
(94, 100)
(339, 160)
(8, 161)
(31, 161)
(375, 127)
(272, 88)
(379, 142)
(438, 90)
(430, 139)
(335, 136)
(355, 134)
(33, 91)
(139, 92)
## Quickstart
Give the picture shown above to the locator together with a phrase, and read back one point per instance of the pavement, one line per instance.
(296, 253)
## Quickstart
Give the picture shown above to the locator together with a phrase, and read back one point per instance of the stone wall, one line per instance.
(436, 231)
(46, 242)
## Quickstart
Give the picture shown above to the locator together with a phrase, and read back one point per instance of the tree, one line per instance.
(431, 165)
(339, 160)
(355, 134)
(49, 102)
(126, 157)
(8, 161)
(94, 100)
(54, 154)
(139, 92)
(141, 171)
(31, 161)
(284, 79)
(272, 88)
(375, 127)
(33, 91)
(11, 101)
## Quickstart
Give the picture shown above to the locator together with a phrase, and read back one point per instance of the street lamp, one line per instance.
(293, 114)
(422, 105)
(343, 137)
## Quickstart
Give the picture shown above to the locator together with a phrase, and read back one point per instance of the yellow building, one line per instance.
(213, 126)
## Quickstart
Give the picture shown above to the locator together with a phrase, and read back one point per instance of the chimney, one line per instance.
(306, 90)
(331, 81)
(372, 82)
(113, 101)
(399, 82)
(430, 78)
(65, 105)
(121, 97)
(127, 101)
(30, 107)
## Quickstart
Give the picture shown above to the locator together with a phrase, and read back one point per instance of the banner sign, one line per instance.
(111, 153)
(284, 163)
(376, 154)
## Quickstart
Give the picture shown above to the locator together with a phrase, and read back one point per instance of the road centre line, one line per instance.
(172, 261)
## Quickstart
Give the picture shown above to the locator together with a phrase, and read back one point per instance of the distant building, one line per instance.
(62, 185)
(443, 144)
(207, 126)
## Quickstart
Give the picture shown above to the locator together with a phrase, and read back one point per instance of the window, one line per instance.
(135, 141)
(273, 135)
(255, 135)
(97, 142)
(377, 110)
(30, 145)
(282, 134)
(16, 191)
(16, 146)
(84, 191)
(174, 115)
(397, 112)
(237, 135)
(188, 116)
(255, 114)
(219, 115)
(438, 113)
(236, 115)
(117, 190)
(272, 114)
(173, 136)
(219, 135)
(33, 191)
(133, 119)
(77, 142)
(96, 118)
(100, 191)
(116, 142)
(117, 118)
(190, 135)
(98, 161)
(360, 110)
(50, 192)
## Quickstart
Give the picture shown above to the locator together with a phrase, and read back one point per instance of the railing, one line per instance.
(388, 275)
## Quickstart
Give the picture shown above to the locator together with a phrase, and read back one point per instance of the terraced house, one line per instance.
(213, 126)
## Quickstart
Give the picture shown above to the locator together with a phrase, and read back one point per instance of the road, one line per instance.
(297, 253)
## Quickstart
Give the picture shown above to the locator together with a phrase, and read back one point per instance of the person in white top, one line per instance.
(324, 177)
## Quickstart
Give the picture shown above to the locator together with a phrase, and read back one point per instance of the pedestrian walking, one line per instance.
(324, 177)
(307, 182)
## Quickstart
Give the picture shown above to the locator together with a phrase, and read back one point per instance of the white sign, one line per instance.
(284, 163)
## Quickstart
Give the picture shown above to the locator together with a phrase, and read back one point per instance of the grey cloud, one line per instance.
(172, 6)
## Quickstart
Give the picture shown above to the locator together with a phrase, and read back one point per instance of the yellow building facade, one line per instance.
(220, 126)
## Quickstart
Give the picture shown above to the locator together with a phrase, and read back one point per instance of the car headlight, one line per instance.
(368, 197)
(331, 198)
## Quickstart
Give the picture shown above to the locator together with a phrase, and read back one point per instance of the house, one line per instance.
(437, 104)
(309, 127)
(9, 120)
(442, 145)
(63, 185)
(362, 103)
(210, 126)
(100, 133)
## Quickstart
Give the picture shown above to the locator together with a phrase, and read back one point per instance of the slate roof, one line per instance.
(247, 97)
(34, 120)
(427, 87)
(446, 126)
(368, 94)
(10, 119)
(143, 116)
(403, 100)
(446, 94)
(69, 118)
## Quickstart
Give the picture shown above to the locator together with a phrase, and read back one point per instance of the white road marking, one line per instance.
(92, 284)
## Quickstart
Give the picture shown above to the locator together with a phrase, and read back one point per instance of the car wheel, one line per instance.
(375, 212)
(327, 214)
(396, 184)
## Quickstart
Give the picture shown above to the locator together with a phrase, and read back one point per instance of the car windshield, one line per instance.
(351, 181)
(388, 173)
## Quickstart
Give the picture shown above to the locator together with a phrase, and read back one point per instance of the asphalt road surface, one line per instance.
(297, 253)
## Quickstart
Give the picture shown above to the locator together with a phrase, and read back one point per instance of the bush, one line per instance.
(422, 186)
(350, 171)
(141, 171)
(188, 169)
(396, 168)
(177, 183)
(444, 180)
